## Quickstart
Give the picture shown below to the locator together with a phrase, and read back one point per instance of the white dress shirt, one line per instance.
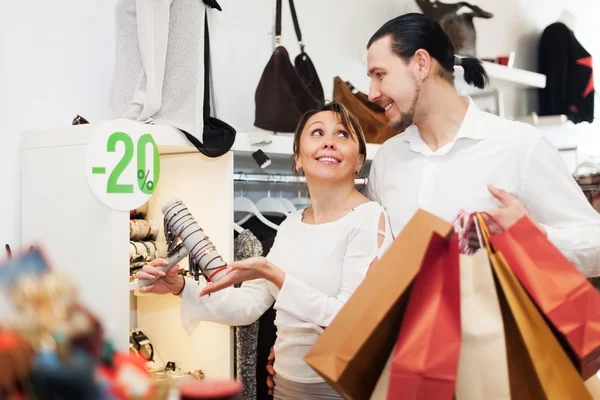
(406, 175)
(324, 264)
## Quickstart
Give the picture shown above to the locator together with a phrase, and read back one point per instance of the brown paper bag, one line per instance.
(352, 351)
(482, 365)
(543, 370)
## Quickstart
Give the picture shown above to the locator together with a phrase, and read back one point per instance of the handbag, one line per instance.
(285, 91)
(371, 116)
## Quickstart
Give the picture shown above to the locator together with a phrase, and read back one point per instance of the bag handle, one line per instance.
(296, 24)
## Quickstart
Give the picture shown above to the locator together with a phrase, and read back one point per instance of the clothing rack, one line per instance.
(280, 178)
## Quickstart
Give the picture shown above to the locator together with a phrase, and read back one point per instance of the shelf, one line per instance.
(517, 76)
(169, 140)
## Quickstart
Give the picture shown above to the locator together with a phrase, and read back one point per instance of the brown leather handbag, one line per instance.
(371, 116)
(286, 91)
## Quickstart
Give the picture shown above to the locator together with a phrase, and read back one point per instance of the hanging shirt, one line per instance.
(324, 264)
(569, 76)
(159, 70)
(407, 175)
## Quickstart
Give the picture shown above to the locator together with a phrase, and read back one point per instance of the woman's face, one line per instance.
(327, 150)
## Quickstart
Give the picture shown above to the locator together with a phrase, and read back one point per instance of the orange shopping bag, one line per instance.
(563, 294)
(425, 359)
(539, 368)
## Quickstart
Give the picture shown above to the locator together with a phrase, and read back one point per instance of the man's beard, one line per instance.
(407, 118)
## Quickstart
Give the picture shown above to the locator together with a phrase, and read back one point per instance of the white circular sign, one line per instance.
(123, 164)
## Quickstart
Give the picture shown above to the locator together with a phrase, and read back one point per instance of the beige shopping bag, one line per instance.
(482, 364)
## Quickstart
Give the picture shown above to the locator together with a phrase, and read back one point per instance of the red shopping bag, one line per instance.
(561, 292)
(425, 360)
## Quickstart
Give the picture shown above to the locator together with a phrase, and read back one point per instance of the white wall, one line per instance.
(56, 59)
(517, 25)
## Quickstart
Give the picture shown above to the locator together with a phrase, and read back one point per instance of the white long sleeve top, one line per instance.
(406, 175)
(324, 264)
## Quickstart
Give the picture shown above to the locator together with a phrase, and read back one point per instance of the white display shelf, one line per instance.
(169, 140)
(516, 76)
(90, 241)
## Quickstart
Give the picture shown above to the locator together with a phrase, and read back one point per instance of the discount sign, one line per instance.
(123, 164)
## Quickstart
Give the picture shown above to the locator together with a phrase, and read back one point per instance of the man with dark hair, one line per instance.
(452, 156)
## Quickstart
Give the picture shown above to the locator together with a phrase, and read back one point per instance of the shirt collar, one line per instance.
(470, 128)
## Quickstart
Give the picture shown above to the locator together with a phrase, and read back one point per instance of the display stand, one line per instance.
(90, 241)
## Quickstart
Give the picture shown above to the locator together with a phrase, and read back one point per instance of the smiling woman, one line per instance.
(320, 256)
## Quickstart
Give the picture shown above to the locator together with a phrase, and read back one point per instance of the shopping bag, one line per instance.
(482, 365)
(352, 351)
(539, 368)
(568, 300)
(425, 362)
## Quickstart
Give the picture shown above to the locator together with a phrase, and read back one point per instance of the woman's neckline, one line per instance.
(301, 212)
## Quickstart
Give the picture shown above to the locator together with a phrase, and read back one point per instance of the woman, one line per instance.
(320, 256)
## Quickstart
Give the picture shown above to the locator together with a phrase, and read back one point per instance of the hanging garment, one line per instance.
(159, 75)
(267, 332)
(246, 245)
(459, 27)
(569, 77)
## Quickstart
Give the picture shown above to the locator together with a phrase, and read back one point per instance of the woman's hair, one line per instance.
(347, 119)
(414, 31)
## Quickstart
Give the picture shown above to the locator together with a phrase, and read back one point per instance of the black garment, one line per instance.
(264, 328)
(569, 79)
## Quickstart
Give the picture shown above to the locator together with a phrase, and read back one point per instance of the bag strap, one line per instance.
(296, 24)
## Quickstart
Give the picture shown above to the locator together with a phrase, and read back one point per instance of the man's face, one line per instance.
(394, 85)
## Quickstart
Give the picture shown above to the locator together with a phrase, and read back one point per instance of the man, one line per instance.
(452, 156)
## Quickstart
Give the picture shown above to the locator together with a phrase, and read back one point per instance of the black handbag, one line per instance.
(286, 91)
(217, 137)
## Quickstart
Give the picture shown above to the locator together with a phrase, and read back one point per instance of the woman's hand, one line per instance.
(246, 270)
(169, 282)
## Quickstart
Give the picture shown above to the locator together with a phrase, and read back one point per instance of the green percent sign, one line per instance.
(123, 164)
(144, 185)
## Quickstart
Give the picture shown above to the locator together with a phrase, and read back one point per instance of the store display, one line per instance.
(204, 259)
(286, 91)
(144, 245)
(568, 69)
(52, 347)
(160, 49)
(371, 115)
(459, 27)
(141, 229)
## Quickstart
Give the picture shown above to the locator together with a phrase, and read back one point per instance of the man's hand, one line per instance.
(505, 217)
(271, 371)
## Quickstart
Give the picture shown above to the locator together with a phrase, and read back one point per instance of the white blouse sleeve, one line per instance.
(231, 306)
(366, 243)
